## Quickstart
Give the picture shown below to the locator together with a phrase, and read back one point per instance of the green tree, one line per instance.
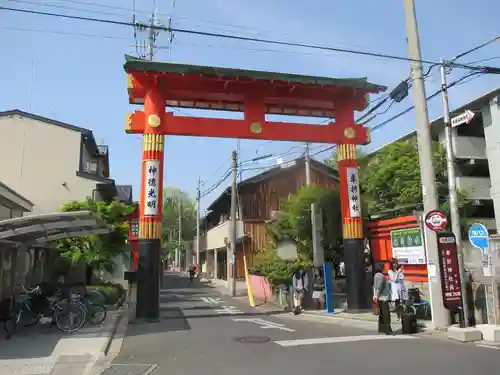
(97, 251)
(391, 177)
(294, 222)
(176, 201)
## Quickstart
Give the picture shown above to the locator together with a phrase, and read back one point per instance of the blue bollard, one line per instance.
(327, 273)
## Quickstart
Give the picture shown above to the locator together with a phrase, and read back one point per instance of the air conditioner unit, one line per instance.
(90, 167)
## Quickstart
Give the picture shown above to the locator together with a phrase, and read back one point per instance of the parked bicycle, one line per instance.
(35, 307)
(96, 312)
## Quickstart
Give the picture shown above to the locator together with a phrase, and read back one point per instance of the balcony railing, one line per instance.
(475, 187)
(217, 237)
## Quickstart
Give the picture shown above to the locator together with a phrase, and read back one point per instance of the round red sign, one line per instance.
(435, 220)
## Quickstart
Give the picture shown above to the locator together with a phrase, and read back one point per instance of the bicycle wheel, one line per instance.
(96, 313)
(70, 316)
(97, 297)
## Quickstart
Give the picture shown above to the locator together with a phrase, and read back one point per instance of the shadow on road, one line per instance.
(180, 301)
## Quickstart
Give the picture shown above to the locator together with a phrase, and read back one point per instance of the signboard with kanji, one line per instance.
(152, 168)
(407, 246)
(134, 227)
(450, 274)
(353, 192)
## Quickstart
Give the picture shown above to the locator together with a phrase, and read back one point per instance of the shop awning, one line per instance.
(39, 229)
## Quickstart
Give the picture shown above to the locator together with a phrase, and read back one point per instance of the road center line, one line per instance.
(333, 340)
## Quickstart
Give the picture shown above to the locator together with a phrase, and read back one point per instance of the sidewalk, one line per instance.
(41, 350)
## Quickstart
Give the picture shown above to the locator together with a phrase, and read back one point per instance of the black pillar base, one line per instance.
(148, 280)
(354, 257)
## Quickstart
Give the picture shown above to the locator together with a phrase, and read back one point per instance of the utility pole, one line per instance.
(231, 258)
(151, 37)
(308, 165)
(198, 198)
(440, 317)
(452, 187)
(180, 234)
(318, 254)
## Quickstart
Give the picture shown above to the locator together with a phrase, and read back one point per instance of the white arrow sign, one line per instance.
(464, 118)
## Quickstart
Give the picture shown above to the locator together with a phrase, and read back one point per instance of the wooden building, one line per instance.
(260, 198)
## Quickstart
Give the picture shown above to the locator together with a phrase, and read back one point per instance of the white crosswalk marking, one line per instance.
(211, 300)
(231, 310)
(341, 339)
(265, 324)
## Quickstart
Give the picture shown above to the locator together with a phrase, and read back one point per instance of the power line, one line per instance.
(462, 80)
(486, 69)
(468, 75)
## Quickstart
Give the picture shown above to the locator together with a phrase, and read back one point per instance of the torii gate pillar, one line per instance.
(352, 222)
(151, 206)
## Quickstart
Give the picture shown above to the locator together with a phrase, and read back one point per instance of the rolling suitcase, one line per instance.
(409, 323)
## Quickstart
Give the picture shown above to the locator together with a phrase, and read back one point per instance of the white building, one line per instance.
(50, 162)
(477, 151)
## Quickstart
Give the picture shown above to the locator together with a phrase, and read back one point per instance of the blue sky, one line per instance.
(77, 76)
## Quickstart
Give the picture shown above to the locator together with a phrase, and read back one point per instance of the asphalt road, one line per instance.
(204, 332)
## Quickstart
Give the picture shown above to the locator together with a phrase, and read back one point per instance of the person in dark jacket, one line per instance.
(381, 295)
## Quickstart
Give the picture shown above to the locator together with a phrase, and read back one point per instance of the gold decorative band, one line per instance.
(353, 228)
(346, 152)
(154, 142)
(130, 83)
(128, 121)
(150, 229)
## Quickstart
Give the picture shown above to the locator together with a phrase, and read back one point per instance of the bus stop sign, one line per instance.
(479, 236)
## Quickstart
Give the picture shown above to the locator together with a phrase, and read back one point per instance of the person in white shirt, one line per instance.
(398, 289)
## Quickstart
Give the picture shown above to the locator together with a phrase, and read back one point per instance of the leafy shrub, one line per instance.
(113, 292)
(276, 270)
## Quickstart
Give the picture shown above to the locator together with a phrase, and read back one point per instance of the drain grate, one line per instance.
(129, 369)
(252, 339)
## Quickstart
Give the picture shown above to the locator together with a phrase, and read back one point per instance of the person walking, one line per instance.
(398, 289)
(381, 295)
(300, 284)
(318, 294)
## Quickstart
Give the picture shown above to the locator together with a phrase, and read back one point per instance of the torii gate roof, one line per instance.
(206, 87)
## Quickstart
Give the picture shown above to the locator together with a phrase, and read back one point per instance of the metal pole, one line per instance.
(231, 275)
(452, 187)
(440, 317)
(308, 165)
(198, 198)
(151, 36)
(318, 254)
(180, 235)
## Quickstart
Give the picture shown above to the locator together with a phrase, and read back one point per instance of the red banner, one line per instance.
(450, 272)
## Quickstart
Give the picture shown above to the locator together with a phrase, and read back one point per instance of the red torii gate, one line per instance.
(158, 85)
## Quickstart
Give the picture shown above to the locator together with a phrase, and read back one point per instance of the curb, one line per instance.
(119, 322)
(113, 345)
